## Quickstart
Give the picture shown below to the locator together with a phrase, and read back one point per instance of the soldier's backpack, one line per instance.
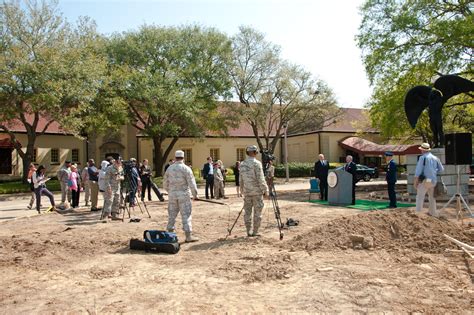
(156, 241)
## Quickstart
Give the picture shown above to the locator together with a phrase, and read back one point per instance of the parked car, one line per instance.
(364, 172)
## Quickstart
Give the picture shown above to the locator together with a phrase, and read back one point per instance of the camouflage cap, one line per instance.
(251, 148)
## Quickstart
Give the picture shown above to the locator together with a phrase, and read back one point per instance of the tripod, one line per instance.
(459, 198)
(126, 207)
(276, 209)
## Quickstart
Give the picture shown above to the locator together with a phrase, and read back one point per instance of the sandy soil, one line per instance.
(73, 263)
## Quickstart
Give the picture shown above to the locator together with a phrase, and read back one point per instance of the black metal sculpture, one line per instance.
(421, 97)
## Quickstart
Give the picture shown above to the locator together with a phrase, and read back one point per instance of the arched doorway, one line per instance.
(111, 148)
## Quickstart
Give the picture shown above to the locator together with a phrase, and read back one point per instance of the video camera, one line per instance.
(267, 156)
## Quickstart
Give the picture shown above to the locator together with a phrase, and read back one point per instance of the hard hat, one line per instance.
(179, 154)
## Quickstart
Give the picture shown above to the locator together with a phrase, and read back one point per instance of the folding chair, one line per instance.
(314, 187)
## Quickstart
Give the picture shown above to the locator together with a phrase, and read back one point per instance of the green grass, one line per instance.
(368, 205)
(18, 187)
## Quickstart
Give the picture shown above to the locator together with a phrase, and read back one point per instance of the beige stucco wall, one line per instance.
(303, 148)
(122, 141)
(44, 143)
(306, 148)
(201, 149)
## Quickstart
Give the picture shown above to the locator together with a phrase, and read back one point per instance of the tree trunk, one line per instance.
(160, 155)
(27, 156)
(158, 158)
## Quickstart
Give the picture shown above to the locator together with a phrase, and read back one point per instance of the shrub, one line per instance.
(296, 169)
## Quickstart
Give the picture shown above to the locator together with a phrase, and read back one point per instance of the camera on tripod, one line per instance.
(267, 156)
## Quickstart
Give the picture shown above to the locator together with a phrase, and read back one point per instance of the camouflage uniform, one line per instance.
(113, 177)
(178, 181)
(253, 185)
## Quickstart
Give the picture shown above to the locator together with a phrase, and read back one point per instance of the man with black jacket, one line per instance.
(321, 169)
(351, 167)
(208, 174)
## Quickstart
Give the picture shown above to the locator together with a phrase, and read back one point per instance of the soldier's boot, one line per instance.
(248, 226)
(256, 226)
(190, 238)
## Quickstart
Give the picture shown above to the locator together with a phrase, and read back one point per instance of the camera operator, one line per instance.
(270, 174)
(254, 187)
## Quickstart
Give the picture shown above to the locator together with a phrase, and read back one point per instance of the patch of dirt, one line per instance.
(390, 230)
(73, 263)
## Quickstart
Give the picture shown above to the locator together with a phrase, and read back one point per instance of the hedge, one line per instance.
(298, 169)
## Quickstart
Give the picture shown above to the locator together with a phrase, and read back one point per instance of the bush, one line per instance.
(296, 169)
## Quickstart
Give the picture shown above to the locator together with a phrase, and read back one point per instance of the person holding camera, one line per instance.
(254, 187)
(427, 168)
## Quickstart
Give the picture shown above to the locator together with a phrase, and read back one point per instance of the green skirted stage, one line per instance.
(367, 205)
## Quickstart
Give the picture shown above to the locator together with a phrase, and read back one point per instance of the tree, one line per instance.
(273, 91)
(172, 78)
(49, 70)
(407, 43)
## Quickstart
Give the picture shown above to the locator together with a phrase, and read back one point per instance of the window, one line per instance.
(54, 155)
(240, 154)
(35, 156)
(188, 156)
(75, 156)
(5, 160)
(214, 153)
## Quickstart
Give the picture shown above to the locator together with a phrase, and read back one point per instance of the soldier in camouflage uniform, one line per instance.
(253, 185)
(113, 177)
(178, 180)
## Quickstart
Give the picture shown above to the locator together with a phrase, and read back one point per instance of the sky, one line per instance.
(318, 34)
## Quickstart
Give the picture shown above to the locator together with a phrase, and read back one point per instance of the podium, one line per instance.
(340, 188)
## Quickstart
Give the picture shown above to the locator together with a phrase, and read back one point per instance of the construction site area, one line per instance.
(335, 260)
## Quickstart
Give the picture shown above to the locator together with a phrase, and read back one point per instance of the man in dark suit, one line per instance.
(321, 169)
(208, 174)
(391, 178)
(351, 167)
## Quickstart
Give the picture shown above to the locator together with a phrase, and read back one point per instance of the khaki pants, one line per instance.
(94, 193)
(87, 192)
(65, 192)
(421, 191)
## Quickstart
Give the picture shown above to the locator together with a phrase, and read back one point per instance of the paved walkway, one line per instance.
(14, 206)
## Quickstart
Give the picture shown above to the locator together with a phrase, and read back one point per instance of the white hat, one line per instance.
(179, 154)
(425, 146)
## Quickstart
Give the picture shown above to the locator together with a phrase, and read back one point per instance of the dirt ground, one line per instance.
(74, 263)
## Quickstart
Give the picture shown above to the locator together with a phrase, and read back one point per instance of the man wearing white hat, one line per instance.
(254, 187)
(178, 181)
(427, 169)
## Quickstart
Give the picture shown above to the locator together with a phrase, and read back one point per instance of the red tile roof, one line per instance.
(363, 146)
(5, 141)
(17, 126)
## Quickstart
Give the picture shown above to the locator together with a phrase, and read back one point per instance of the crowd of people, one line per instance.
(106, 179)
(251, 180)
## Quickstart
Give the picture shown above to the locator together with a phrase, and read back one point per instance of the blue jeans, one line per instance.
(43, 191)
